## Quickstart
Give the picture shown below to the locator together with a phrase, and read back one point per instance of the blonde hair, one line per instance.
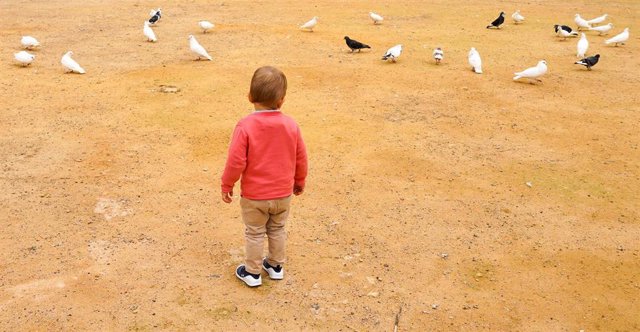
(268, 86)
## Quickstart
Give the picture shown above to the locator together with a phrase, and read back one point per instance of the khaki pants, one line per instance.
(264, 217)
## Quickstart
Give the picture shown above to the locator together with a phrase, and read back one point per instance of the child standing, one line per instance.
(267, 151)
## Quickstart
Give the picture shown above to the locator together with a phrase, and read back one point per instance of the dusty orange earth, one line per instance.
(417, 210)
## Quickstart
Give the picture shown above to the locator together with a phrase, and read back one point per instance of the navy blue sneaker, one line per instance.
(275, 272)
(252, 280)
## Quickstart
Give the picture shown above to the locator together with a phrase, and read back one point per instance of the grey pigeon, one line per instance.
(589, 61)
(354, 44)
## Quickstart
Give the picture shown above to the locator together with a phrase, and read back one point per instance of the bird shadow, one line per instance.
(528, 81)
(581, 69)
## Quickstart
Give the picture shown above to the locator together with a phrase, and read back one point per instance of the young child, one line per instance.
(268, 152)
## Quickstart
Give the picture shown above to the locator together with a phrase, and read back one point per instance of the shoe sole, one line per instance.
(258, 282)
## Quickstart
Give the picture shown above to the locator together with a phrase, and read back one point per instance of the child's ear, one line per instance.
(280, 102)
(249, 97)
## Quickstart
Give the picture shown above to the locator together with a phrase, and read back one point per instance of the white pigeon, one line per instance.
(517, 18)
(148, 32)
(438, 55)
(534, 72)
(393, 53)
(206, 25)
(71, 64)
(377, 19)
(311, 24)
(603, 29)
(475, 61)
(620, 38)
(581, 22)
(597, 20)
(583, 46)
(198, 49)
(29, 42)
(25, 58)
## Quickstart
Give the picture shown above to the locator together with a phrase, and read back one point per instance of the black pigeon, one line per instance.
(589, 61)
(498, 22)
(154, 18)
(354, 44)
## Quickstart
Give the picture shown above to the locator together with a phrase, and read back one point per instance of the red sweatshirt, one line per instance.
(268, 151)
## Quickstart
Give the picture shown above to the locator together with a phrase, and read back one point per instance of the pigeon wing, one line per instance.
(355, 44)
(198, 49)
(148, 32)
(71, 64)
(310, 24)
(529, 72)
(475, 61)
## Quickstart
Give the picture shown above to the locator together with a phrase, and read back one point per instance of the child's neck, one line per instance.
(262, 108)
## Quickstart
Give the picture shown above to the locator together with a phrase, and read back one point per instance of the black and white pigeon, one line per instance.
(497, 22)
(563, 27)
(564, 31)
(354, 44)
(589, 61)
(156, 14)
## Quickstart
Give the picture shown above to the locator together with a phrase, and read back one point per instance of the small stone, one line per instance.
(620, 248)
(435, 306)
(315, 308)
(529, 184)
(479, 275)
(169, 89)
(444, 255)
(373, 294)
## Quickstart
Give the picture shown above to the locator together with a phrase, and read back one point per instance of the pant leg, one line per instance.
(276, 231)
(255, 215)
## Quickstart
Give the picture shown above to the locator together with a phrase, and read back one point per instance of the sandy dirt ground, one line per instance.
(416, 211)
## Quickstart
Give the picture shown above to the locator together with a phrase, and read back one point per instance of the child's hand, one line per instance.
(297, 190)
(227, 197)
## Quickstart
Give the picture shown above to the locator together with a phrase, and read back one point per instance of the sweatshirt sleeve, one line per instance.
(236, 160)
(301, 162)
